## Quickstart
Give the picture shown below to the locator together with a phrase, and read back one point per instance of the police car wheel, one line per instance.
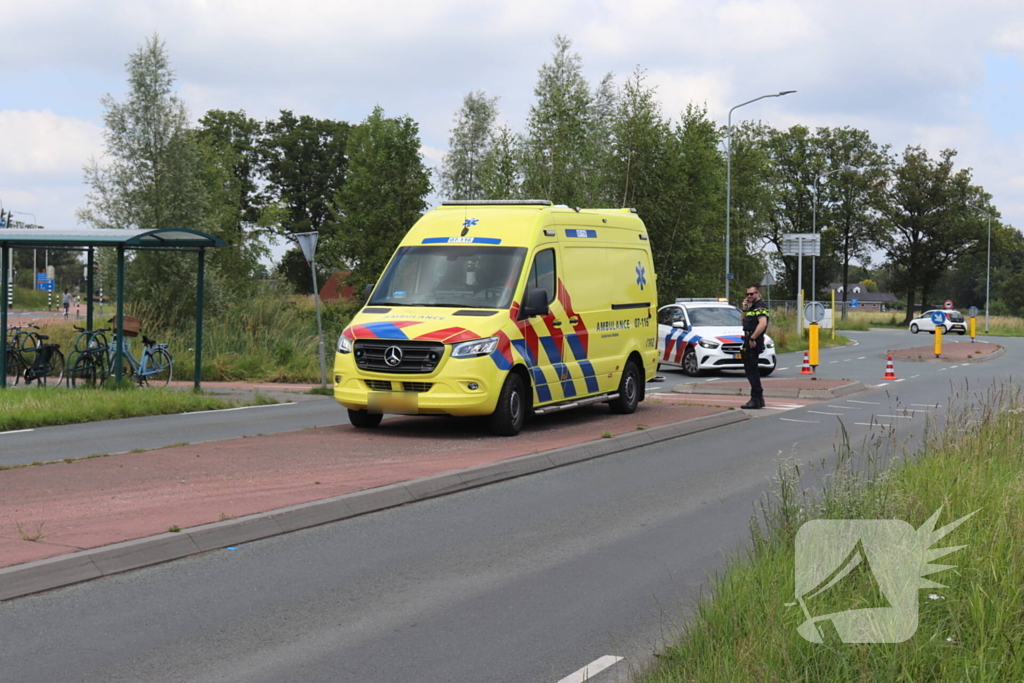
(363, 419)
(508, 416)
(691, 366)
(629, 391)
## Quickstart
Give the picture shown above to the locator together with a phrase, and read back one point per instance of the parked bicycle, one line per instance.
(153, 369)
(89, 361)
(47, 365)
(23, 343)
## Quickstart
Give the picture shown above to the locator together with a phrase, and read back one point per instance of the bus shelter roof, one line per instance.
(165, 238)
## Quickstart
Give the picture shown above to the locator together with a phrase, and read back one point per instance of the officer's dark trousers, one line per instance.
(750, 363)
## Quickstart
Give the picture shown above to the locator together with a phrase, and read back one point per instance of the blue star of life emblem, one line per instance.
(641, 275)
(470, 222)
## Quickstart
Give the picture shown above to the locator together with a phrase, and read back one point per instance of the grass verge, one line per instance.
(970, 630)
(48, 406)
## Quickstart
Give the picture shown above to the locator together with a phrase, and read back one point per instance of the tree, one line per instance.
(559, 155)
(468, 147)
(384, 194)
(931, 226)
(153, 180)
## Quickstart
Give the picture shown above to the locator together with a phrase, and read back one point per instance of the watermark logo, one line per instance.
(875, 568)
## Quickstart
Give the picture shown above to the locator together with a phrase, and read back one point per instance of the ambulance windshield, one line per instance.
(470, 276)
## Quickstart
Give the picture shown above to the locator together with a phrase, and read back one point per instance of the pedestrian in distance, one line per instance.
(67, 303)
(755, 326)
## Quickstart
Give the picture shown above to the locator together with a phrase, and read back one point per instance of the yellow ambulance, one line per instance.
(505, 309)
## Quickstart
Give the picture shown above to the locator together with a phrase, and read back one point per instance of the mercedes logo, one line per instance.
(393, 356)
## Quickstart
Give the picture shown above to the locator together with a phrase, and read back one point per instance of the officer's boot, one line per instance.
(754, 403)
(760, 400)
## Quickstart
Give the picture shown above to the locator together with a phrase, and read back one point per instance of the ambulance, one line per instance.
(505, 309)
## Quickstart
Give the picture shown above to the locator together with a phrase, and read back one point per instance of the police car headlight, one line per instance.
(477, 347)
(770, 344)
(344, 344)
(708, 344)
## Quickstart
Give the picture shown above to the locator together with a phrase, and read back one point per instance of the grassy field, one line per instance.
(46, 406)
(783, 332)
(972, 629)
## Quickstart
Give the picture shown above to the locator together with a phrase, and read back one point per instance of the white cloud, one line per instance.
(42, 143)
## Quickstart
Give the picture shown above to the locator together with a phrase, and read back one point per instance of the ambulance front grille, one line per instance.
(377, 385)
(418, 387)
(414, 357)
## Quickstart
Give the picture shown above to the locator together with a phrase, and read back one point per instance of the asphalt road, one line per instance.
(526, 580)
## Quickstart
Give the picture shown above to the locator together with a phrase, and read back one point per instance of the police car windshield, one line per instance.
(718, 316)
(463, 276)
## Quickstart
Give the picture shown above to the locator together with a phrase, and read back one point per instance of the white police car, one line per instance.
(700, 335)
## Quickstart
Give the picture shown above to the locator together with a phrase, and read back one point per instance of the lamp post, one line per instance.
(728, 178)
(814, 229)
(988, 265)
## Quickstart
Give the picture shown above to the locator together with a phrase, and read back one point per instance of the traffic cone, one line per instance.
(806, 369)
(890, 373)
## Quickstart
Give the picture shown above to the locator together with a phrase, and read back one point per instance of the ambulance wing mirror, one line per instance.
(536, 304)
(367, 292)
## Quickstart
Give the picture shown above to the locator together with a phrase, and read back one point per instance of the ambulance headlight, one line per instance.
(477, 347)
(344, 344)
(709, 344)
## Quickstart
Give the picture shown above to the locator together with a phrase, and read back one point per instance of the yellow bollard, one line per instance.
(812, 339)
(938, 340)
(972, 329)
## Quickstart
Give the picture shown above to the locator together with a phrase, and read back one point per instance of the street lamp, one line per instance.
(988, 266)
(728, 178)
(814, 229)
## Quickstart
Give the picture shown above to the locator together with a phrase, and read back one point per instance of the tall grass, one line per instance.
(971, 630)
(783, 331)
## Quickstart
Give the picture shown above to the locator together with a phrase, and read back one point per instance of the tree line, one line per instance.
(589, 145)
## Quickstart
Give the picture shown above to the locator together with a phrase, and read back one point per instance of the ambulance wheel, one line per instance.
(629, 391)
(690, 364)
(363, 419)
(508, 416)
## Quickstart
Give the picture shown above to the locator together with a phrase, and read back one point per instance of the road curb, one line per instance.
(85, 565)
(978, 359)
(711, 389)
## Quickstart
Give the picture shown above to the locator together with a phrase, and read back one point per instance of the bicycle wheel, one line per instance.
(88, 370)
(28, 345)
(54, 369)
(14, 367)
(158, 369)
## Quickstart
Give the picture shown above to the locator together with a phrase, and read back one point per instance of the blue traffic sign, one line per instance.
(938, 317)
(853, 304)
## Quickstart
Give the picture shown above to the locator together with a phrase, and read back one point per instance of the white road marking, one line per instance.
(867, 403)
(913, 376)
(847, 407)
(900, 380)
(783, 368)
(927, 405)
(17, 431)
(861, 357)
(591, 670)
(820, 412)
(833, 361)
(226, 410)
(776, 408)
(943, 369)
(792, 420)
(872, 424)
(883, 384)
(899, 417)
(847, 360)
(713, 379)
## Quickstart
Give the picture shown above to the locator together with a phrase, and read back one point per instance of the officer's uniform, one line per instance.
(751, 356)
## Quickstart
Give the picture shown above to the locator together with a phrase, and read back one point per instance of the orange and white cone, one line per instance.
(890, 372)
(806, 369)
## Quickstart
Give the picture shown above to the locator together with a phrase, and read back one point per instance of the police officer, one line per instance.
(755, 324)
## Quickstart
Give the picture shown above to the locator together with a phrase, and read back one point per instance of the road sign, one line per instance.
(768, 280)
(972, 311)
(307, 242)
(853, 303)
(947, 304)
(938, 317)
(814, 311)
(803, 244)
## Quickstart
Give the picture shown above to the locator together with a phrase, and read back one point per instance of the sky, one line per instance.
(939, 74)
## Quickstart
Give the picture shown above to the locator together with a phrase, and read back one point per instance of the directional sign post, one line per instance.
(307, 242)
(800, 245)
(939, 318)
(973, 313)
(767, 281)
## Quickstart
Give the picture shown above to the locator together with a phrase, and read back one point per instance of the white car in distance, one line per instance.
(703, 335)
(954, 322)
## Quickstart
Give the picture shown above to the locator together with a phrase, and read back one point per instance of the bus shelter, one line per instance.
(165, 239)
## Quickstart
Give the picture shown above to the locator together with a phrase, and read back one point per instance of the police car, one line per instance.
(701, 335)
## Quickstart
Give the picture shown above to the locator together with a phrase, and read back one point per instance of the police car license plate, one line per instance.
(737, 355)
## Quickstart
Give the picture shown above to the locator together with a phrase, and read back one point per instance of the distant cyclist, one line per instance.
(67, 303)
